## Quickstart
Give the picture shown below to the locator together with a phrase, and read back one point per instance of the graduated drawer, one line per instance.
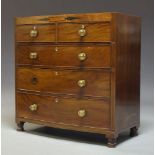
(36, 33)
(87, 83)
(64, 56)
(71, 111)
(84, 32)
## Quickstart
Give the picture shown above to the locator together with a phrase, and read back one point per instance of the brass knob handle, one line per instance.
(82, 113)
(33, 107)
(82, 31)
(33, 32)
(82, 56)
(81, 83)
(33, 55)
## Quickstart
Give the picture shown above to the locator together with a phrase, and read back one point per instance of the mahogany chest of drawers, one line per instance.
(79, 72)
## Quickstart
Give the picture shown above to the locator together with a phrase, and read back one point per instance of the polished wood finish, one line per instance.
(48, 69)
(65, 56)
(46, 33)
(95, 32)
(105, 17)
(64, 110)
(127, 71)
(46, 80)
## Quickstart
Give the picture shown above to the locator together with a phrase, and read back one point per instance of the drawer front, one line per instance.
(88, 83)
(39, 33)
(81, 112)
(78, 32)
(65, 56)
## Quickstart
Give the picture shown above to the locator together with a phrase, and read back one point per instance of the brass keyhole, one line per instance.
(56, 73)
(34, 80)
(33, 32)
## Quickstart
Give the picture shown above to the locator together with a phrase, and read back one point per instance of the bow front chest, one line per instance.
(79, 72)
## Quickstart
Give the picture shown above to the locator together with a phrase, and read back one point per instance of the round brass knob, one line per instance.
(33, 32)
(33, 107)
(33, 55)
(82, 31)
(82, 56)
(81, 83)
(82, 113)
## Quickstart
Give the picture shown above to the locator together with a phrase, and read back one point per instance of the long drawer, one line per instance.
(76, 82)
(64, 56)
(71, 111)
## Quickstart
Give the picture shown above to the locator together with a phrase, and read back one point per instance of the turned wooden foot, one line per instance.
(20, 126)
(112, 140)
(133, 131)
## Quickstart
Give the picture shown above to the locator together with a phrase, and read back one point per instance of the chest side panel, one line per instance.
(127, 71)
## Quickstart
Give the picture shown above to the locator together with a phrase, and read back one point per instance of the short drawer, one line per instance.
(64, 56)
(86, 83)
(36, 33)
(63, 110)
(84, 32)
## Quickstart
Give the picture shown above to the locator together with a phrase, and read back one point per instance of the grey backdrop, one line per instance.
(13, 8)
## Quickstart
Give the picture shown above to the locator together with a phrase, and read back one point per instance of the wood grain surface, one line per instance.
(105, 17)
(65, 56)
(64, 110)
(64, 81)
(46, 33)
(95, 32)
(128, 71)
